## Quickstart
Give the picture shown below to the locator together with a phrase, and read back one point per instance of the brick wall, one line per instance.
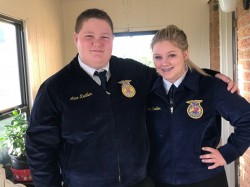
(243, 58)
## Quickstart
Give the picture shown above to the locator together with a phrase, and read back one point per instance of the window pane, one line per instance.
(10, 91)
(136, 47)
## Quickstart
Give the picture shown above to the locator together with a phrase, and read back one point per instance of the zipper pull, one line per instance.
(171, 97)
(171, 106)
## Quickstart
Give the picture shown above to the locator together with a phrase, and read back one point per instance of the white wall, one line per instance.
(143, 15)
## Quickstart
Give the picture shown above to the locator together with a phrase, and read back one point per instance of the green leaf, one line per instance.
(13, 135)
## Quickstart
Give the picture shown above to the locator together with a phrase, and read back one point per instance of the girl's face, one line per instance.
(169, 60)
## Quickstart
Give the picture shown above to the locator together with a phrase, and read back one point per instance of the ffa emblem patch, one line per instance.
(194, 109)
(127, 89)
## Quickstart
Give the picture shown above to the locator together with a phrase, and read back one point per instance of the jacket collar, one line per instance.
(191, 81)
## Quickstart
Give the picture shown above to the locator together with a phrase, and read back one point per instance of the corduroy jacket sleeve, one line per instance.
(236, 110)
(210, 71)
(42, 139)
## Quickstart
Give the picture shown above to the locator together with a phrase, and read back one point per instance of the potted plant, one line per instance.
(13, 137)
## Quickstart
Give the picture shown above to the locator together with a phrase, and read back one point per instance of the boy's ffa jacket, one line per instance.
(176, 138)
(94, 138)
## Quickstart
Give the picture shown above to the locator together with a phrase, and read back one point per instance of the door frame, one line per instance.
(228, 67)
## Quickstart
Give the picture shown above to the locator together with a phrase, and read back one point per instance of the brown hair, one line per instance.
(92, 13)
(178, 37)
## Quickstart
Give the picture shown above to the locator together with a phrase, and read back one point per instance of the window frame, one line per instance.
(22, 66)
(135, 33)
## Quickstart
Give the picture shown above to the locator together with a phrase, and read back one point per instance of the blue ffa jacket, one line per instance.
(92, 138)
(176, 138)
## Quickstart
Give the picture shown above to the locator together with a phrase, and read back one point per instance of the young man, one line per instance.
(83, 134)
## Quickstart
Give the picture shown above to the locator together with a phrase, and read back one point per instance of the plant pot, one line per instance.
(21, 174)
(19, 162)
(20, 168)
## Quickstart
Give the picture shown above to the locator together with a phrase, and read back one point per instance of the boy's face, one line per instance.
(94, 42)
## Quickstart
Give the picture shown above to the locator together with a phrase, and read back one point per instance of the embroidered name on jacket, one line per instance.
(81, 96)
(194, 109)
(154, 108)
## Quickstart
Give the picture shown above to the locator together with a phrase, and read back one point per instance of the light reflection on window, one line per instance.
(136, 47)
(10, 95)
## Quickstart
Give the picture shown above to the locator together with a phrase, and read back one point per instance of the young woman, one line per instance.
(184, 125)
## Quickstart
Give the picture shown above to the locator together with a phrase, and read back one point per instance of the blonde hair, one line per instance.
(177, 36)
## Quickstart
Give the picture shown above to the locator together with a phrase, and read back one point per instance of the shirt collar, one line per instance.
(90, 71)
(190, 81)
(168, 84)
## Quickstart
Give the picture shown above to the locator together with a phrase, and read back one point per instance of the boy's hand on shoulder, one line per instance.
(231, 85)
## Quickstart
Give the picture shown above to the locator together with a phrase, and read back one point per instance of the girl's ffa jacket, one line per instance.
(176, 138)
(92, 137)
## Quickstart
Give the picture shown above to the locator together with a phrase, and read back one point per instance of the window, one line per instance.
(135, 45)
(13, 79)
